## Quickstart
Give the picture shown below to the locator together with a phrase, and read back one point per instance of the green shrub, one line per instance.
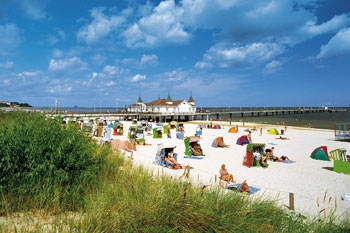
(43, 162)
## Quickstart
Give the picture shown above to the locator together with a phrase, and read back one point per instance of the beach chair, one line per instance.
(188, 148)
(180, 135)
(160, 154)
(158, 132)
(340, 163)
(140, 136)
(132, 132)
(338, 154)
(107, 137)
(249, 160)
(159, 158)
(198, 131)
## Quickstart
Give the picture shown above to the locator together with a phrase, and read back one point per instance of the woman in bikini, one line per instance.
(225, 175)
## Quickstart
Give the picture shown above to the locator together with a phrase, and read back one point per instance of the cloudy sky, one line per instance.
(253, 53)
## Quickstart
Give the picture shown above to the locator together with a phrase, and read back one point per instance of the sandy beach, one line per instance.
(317, 189)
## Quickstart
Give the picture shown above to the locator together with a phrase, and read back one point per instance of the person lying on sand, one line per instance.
(244, 187)
(280, 159)
(269, 153)
(283, 138)
(272, 157)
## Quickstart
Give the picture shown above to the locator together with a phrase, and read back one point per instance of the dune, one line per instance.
(316, 188)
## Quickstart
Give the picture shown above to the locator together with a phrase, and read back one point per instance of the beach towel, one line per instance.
(235, 187)
(193, 157)
(288, 161)
(271, 143)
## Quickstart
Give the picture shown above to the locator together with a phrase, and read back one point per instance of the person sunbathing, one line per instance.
(244, 187)
(196, 150)
(283, 138)
(269, 153)
(224, 175)
(280, 159)
(171, 161)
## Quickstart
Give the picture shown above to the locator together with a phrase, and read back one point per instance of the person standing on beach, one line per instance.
(249, 137)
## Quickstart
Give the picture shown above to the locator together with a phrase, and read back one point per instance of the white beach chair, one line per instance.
(107, 137)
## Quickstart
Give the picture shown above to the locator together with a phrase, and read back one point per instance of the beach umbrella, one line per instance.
(320, 153)
(233, 129)
(273, 131)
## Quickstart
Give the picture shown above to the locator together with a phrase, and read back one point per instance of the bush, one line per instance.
(43, 162)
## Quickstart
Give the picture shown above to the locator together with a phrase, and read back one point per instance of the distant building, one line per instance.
(164, 106)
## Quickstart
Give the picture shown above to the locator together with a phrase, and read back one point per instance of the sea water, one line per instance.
(322, 120)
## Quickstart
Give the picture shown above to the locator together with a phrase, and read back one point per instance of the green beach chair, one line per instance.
(249, 159)
(340, 163)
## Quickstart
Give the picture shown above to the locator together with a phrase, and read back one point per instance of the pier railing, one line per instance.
(187, 116)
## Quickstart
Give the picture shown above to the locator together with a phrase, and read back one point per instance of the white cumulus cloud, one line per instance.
(338, 45)
(69, 65)
(162, 26)
(272, 67)
(228, 55)
(138, 78)
(100, 26)
(149, 60)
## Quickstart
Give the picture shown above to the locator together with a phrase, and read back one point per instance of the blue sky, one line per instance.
(252, 53)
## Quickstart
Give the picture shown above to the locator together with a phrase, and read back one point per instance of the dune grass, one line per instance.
(110, 194)
(133, 199)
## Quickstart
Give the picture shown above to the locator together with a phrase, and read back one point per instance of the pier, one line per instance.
(204, 115)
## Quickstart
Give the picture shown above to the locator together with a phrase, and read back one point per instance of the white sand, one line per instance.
(316, 187)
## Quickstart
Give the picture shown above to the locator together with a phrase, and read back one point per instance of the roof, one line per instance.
(164, 102)
(169, 99)
(191, 100)
(139, 100)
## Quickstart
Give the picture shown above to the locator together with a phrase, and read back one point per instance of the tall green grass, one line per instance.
(44, 164)
(67, 183)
